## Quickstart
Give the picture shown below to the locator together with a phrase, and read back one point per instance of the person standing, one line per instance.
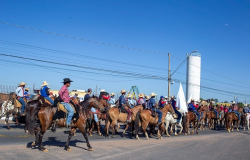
(65, 98)
(45, 92)
(20, 95)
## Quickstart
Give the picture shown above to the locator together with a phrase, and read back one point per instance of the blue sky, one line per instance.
(218, 29)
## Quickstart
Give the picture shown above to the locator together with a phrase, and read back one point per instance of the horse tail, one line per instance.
(137, 121)
(184, 120)
(32, 110)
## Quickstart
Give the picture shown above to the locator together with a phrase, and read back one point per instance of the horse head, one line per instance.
(168, 108)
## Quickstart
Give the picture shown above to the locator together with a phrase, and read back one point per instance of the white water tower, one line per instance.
(193, 76)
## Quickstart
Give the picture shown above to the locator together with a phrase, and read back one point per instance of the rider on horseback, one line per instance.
(131, 102)
(112, 100)
(141, 100)
(213, 109)
(191, 108)
(26, 94)
(45, 92)
(104, 95)
(87, 96)
(65, 98)
(173, 102)
(122, 106)
(152, 105)
(235, 110)
(20, 95)
(161, 103)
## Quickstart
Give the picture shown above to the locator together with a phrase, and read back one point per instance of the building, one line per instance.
(193, 76)
(81, 93)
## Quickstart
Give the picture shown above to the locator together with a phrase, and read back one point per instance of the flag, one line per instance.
(181, 101)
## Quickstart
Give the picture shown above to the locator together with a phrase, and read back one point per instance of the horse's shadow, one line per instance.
(58, 143)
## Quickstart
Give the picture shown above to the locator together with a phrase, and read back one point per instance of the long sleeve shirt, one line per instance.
(26, 95)
(191, 107)
(105, 97)
(20, 92)
(122, 100)
(141, 101)
(161, 104)
(112, 100)
(86, 97)
(151, 103)
(64, 94)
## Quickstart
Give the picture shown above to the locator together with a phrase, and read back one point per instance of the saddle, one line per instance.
(60, 107)
(195, 115)
(17, 103)
(152, 113)
(175, 115)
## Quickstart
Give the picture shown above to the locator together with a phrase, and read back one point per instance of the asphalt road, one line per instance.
(209, 144)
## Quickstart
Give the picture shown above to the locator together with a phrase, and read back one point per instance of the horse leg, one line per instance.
(132, 128)
(67, 148)
(171, 129)
(238, 123)
(123, 134)
(7, 121)
(112, 127)
(98, 128)
(159, 134)
(82, 129)
(166, 127)
(36, 137)
(180, 129)
(144, 128)
(41, 147)
(193, 123)
(92, 127)
(175, 129)
(16, 117)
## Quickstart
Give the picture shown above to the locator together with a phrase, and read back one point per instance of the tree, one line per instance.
(201, 99)
(241, 104)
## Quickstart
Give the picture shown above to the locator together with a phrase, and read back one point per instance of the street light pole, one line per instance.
(169, 76)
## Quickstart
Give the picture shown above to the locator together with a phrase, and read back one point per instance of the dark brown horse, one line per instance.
(203, 110)
(144, 117)
(45, 114)
(191, 118)
(231, 118)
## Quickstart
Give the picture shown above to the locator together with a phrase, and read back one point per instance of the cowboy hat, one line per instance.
(27, 89)
(123, 91)
(147, 97)
(233, 102)
(22, 84)
(112, 94)
(192, 100)
(129, 96)
(102, 90)
(141, 95)
(66, 80)
(152, 94)
(173, 97)
(45, 83)
(166, 97)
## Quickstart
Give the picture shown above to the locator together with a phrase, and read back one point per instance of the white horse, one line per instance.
(170, 120)
(248, 119)
(7, 108)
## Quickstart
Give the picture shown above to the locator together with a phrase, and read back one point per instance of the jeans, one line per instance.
(159, 113)
(216, 113)
(179, 115)
(70, 112)
(23, 105)
(237, 114)
(95, 115)
(50, 100)
(198, 114)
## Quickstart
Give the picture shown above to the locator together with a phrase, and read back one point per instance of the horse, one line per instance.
(146, 119)
(231, 118)
(169, 119)
(212, 119)
(191, 118)
(203, 111)
(114, 116)
(248, 119)
(243, 118)
(9, 107)
(44, 112)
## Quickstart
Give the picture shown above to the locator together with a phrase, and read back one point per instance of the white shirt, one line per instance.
(112, 100)
(20, 92)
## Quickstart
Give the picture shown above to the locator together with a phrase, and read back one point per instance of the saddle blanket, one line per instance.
(60, 107)
(17, 103)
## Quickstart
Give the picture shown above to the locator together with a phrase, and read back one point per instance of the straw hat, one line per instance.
(27, 89)
(141, 95)
(173, 97)
(123, 91)
(45, 83)
(102, 91)
(112, 94)
(152, 94)
(22, 84)
(129, 96)
(147, 97)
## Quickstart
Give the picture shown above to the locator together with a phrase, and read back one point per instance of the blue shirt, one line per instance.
(121, 100)
(151, 103)
(191, 107)
(86, 97)
(26, 94)
(43, 91)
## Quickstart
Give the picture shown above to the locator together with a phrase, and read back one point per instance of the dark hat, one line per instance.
(66, 80)
(89, 90)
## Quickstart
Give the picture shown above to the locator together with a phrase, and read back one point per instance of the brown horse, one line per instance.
(114, 117)
(191, 118)
(146, 119)
(203, 110)
(243, 118)
(231, 118)
(45, 114)
(212, 119)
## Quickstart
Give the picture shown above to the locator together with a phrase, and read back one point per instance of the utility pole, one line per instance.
(169, 76)
(96, 91)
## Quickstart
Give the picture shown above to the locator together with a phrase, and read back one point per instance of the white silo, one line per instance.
(193, 76)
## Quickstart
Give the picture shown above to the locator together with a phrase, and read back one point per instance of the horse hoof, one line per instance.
(113, 136)
(100, 134)
(90, 135)
(176, 134)
(179, 133)
(69, 149)
(10, 129)
(34, 143)
(45, 150)
(160, 138)
(185, 134)
(90, 149)
(168, 135)
(197, 133)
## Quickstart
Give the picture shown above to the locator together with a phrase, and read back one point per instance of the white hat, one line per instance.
(45, 83)
(233, 102)
(22, 84)
(152, 94)
(192, 99)
(102, 90)
(112, 94)
(123, 91)
(147, 97)
(173, 97)
(166, 97)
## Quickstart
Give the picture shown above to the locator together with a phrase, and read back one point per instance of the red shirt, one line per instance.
(105, 97)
